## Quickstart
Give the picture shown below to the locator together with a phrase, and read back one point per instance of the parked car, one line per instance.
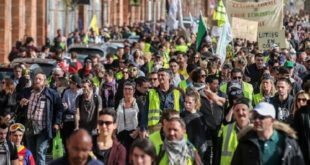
(36, 65)
(6, 72)
(84, 51)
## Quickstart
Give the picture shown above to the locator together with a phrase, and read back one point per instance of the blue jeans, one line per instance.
(38, 144)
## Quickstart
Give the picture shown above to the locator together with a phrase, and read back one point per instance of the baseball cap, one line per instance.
(76, 79)
(289, 64)
(265, 109)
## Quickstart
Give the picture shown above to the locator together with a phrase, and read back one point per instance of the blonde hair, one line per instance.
(273, 88)
(192, 92)
(305, 94)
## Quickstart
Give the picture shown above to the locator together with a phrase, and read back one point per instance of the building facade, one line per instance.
(41, 18)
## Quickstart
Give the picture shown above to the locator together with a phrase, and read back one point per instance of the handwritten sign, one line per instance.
(270, 37)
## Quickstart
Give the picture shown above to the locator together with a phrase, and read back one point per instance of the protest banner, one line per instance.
(270, 37)
(268, 14)
(242, 28)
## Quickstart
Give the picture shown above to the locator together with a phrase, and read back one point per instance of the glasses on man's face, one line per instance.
(259, 117)
(153, 79)
(237, 78)
(107, 123)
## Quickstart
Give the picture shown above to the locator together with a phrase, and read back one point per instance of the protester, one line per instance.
(69, 102)
(228, 134)
(127, 116)
(8, 151)
(44, 114)
(163, 97)
(142, 152)
(79, 146)
(106, 147)
(25, 156)
(88, 105)
(196, 127)
(176, 149)
(268, 142)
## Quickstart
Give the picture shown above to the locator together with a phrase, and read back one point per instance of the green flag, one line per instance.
(202, 32)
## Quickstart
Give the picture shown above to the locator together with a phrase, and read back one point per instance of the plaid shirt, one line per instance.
(36, 109)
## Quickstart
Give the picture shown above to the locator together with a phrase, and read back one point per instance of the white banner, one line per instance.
(242, 28)
(268, 14)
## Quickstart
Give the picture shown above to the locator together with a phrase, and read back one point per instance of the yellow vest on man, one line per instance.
(247, 90)
(154, 114)
(229, 143)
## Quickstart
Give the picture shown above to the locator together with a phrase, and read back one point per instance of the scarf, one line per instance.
(177, 151)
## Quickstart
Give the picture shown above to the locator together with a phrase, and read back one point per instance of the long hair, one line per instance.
(9, 86)
(301, 92)
(192, 92)
(273, 88)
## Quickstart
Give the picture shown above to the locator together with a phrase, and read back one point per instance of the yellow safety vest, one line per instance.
(165, 160)
(96, 81)
(119, 75)
(229, 144)
(154, 114)
(183, 85)
(166, 60)
(147, 48)
(155, 138)
(247, 90)
(258, 98)
(181, 48)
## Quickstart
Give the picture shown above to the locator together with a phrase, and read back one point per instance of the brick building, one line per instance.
(41, 18)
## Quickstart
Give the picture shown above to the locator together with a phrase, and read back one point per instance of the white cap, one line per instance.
(265, 109)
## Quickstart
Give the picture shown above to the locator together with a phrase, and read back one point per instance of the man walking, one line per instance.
(267, 143)
(44, 112)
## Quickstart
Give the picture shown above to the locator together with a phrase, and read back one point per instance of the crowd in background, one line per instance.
(160, 100)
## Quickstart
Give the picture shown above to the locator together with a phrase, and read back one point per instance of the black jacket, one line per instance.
(255, 74)
(248, 150)
(302, 126)
(283, 109)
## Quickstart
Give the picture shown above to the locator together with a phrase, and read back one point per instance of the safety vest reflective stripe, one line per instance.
(230, 143)
(154, 112)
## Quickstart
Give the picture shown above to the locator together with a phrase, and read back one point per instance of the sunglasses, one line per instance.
(203, 75)
(107, 123)
(17, 127)
(259, 117)
(301, 99)
(237, 78)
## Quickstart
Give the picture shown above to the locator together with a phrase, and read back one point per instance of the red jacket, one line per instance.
(117, 154)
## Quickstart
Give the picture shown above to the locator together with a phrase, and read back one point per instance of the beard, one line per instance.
(38, 87)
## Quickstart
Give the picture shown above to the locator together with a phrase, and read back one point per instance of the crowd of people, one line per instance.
(161, 100)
